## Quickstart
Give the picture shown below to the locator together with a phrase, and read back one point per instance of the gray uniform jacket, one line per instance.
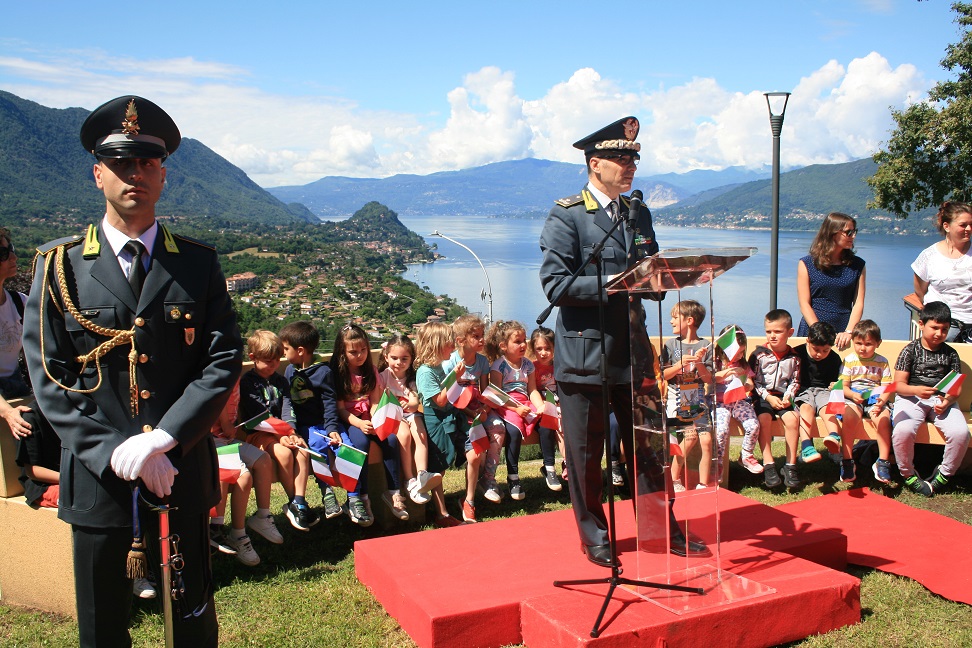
(189, 356)
(574, 226)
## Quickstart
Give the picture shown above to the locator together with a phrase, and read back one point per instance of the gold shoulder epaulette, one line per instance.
(168, 240)
(570, 201)
(67, 241)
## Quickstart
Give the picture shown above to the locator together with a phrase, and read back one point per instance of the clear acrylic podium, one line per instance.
(683, 447)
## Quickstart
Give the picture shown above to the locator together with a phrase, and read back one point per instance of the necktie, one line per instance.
(613, 210)
(136, 274)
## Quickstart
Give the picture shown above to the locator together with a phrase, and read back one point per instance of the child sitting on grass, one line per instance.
(921, 365)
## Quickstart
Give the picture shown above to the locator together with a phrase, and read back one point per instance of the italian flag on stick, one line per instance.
(951, 385)
(266, 423)
(835, 405)
(729, 345)
(321, 467)
(387, 416)
(348, 462)
(888, 388)
(497, 396)
(230, 463)
(735, 390)
(457, 394)
(550, 416)
(477, 436)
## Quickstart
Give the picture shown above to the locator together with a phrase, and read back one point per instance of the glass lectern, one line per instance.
(678, 533)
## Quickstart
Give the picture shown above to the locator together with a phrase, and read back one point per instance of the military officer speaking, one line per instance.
(574, 226)
(132, 345)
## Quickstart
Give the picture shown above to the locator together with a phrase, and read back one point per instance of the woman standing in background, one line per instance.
(830, 280)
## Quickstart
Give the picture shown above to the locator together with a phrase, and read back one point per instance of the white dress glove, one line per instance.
(128, 458)
(158, 474)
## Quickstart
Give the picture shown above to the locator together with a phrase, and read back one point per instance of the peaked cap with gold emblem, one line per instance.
(614, 139)
(130, 127)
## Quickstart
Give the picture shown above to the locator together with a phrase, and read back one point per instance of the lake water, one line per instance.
(510, 252)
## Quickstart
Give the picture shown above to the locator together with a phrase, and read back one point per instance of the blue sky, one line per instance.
(296, 91)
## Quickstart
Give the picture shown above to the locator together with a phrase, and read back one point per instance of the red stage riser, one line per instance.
(470, 585)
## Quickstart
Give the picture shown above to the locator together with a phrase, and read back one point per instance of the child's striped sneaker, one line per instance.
(882, 471)
(937, 482)
(918, 485)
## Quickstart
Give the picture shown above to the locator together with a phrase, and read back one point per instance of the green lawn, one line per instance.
(304, 592)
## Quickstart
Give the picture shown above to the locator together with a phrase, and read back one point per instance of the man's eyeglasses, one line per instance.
(849, 233)
(5, 252)
(623, 160)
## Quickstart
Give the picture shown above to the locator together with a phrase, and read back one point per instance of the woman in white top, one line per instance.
(943, 271)
(12, 384)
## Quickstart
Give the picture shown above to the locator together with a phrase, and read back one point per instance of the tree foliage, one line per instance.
(929, 156)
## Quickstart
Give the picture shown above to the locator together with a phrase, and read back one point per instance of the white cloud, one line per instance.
(836, 113)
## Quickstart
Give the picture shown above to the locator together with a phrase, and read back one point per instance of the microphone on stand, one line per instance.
(634, 206)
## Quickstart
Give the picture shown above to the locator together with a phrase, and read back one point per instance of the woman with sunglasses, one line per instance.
(12, 383)
(830, 280)
(943, 271)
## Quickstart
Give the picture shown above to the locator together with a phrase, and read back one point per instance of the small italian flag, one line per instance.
(674, 449)
(951, 385)
(835, 405)
(348, 462)
(735, 390)
(550, 416)
(888, 388)
(496, 396)
(266, 423)
(321, 467)
(729, 345)
(457, 394)
(387, 416)
(230, 463)
(477, 436)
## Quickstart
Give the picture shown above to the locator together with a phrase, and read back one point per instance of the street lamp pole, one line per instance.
(489, 288)
(776, 125)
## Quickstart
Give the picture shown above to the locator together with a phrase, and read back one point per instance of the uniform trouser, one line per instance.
(104, 592)
(909, 413)
(582, 417)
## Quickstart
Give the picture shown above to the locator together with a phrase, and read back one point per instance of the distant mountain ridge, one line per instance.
(511, 188)
(44, 173)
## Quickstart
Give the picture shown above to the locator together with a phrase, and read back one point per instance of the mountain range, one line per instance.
(45, 178)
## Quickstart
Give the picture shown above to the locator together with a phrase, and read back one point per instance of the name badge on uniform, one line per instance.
(190, 336)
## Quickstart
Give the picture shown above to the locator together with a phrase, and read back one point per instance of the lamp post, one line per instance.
(486, 294)
(776, 125)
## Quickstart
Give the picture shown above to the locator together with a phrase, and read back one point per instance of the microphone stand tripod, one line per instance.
(615, 579)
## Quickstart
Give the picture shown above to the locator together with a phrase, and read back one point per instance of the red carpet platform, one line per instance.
(490, 584)
(885, 534)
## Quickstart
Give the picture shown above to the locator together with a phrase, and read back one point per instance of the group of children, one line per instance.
(458, 406)
(796, 385)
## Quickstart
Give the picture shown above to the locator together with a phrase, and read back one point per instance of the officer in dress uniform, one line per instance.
(573, 227)
(132, 345)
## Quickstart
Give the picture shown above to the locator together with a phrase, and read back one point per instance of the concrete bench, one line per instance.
(35, 546)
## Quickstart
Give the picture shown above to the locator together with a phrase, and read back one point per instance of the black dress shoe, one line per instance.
(599, 554)
(691, 548)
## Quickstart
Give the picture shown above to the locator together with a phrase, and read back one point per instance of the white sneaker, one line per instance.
(677, 486)
(143, 588)
(245, 552)
(428, 481)
(490, 491)
(414, 494)
(266, 527)
(395, 502)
